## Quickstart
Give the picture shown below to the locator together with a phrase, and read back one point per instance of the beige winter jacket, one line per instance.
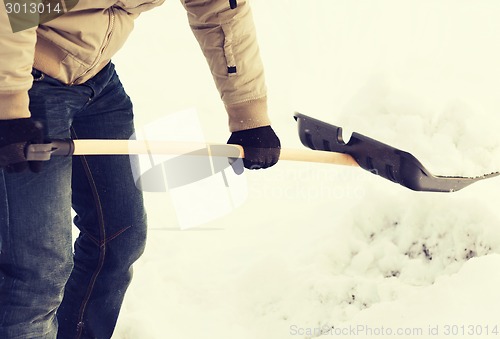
(75, 46)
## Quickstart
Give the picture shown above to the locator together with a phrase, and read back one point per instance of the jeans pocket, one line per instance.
(37, 75)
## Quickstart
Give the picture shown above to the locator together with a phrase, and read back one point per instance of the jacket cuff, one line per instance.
(14, 105)
(248, 114)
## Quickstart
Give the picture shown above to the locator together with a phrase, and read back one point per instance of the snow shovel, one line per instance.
(325, 140)
(378, 158)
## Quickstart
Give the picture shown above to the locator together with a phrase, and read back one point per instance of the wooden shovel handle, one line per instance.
(123, 147)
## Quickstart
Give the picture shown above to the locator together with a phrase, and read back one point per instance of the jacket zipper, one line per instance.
(103, 46)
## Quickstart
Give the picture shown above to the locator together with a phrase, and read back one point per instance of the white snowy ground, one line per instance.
(317, 246)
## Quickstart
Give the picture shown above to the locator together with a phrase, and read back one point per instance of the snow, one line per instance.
(314, 245)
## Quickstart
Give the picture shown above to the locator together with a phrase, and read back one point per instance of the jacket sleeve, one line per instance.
(16, 61)
(228, 40)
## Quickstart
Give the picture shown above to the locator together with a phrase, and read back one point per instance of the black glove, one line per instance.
(261, 145)
(15, 136)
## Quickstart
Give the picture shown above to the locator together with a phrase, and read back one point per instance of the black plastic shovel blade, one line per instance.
(378, 158)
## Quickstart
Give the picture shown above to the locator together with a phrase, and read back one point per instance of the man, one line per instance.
(57, 81)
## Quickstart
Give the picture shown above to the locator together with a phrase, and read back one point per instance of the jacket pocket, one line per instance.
(228, 49)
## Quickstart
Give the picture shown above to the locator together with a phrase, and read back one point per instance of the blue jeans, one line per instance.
(47, 290)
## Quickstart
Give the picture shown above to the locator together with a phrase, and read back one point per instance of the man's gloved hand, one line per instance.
(15, 136)
(261, 145)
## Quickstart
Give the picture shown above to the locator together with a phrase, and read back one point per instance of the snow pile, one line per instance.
(438, 310)
(449, 135)
(378, 251)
